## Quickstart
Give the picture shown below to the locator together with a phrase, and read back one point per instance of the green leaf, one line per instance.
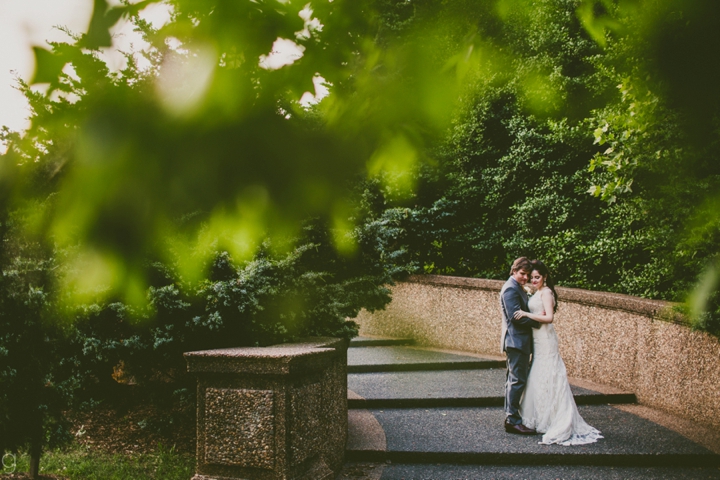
(596, 25)
(48, 66)
(98, 34)
(104, 18)
(598, 136)
(595, 190)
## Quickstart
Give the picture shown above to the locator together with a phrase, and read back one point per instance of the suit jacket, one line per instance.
(515, 333)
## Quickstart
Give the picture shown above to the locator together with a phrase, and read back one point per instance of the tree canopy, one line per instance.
(578, 141)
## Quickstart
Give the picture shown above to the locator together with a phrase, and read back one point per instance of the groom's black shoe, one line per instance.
(519, 429)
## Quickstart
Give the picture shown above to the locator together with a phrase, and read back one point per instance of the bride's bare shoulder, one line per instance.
(545, 291)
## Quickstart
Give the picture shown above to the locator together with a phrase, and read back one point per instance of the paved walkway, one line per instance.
(418, 413)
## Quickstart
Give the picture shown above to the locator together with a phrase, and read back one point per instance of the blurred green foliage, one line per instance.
(189, 200)
(200, 147)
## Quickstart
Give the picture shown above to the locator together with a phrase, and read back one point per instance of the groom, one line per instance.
(517, 343)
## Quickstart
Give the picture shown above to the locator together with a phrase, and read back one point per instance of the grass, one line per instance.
(79, 463)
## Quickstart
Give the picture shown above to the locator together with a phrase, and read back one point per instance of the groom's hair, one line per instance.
(521, 263)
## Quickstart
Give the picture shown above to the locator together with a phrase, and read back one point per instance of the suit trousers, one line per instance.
(518, 367)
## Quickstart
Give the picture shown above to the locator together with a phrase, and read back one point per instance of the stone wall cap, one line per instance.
(275, 359)
(614, 301)
(461, 282)
(315, 342)
(273, 352)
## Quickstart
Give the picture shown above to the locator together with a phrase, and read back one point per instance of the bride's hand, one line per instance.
(519, 314)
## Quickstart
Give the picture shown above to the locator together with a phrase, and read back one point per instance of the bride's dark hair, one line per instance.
(549, 281)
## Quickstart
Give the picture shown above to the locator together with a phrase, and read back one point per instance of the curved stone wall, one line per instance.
(606, 338)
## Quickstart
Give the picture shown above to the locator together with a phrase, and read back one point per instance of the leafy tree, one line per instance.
(662, 138)
(32, 391)
(576, 82)
(275, 298)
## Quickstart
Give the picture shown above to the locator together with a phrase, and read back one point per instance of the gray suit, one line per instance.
(517, 343)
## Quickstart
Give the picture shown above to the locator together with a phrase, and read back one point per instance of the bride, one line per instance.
(548, 404)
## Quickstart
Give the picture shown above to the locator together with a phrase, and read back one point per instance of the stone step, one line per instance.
(476, 436)
(358, 342)
(357, 403)
(455, 388)
(393, 471)
(405, 359)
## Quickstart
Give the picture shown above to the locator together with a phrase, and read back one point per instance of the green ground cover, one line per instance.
(77, 462)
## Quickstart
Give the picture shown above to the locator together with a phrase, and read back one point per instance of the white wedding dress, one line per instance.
(547, 404)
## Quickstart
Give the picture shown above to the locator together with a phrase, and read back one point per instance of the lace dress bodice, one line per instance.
(545, 340)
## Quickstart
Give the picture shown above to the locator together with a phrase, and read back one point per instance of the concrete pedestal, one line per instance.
(276, 412)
